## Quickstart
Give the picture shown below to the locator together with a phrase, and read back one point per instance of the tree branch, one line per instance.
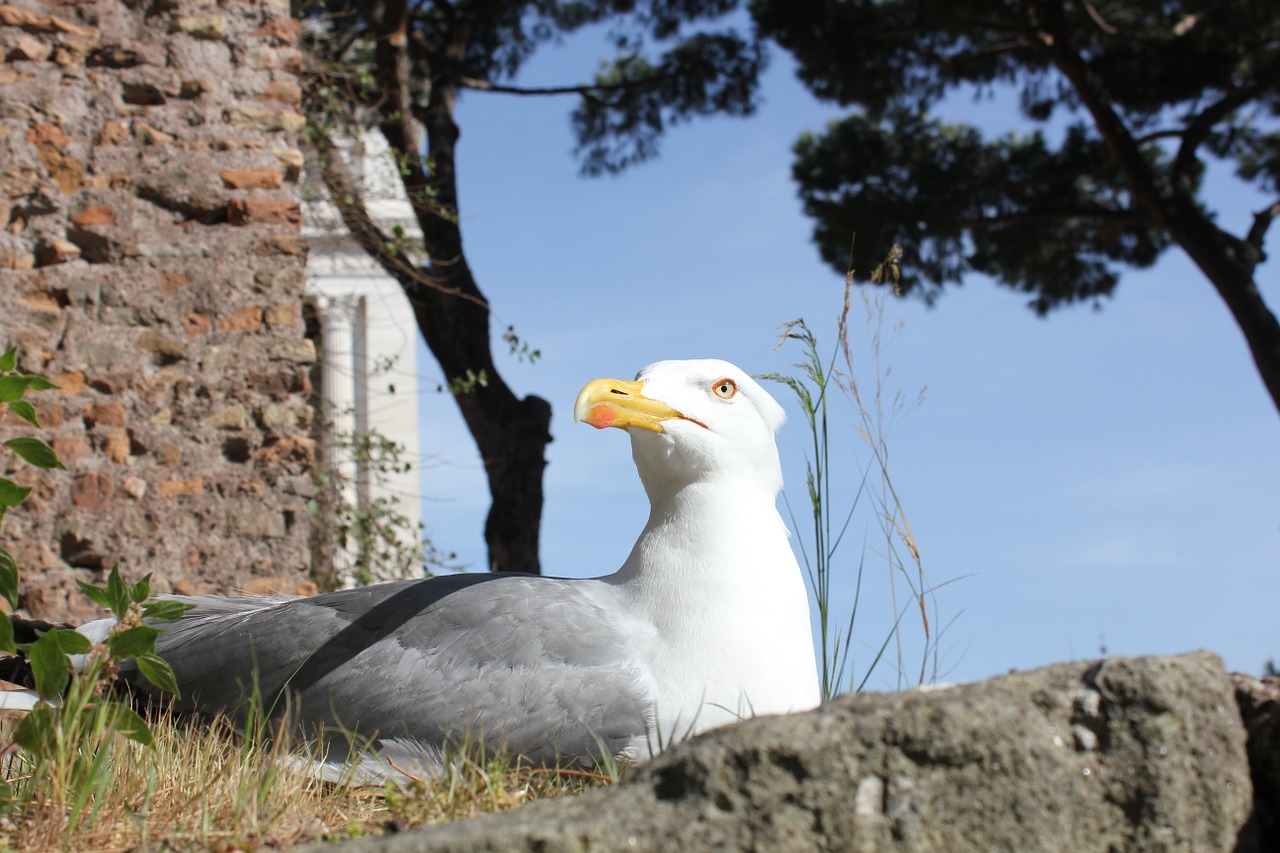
(1121, 217)
(1261, 222)
(1199, 128)
(583, 89)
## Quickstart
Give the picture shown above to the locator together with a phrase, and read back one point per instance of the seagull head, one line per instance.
(699, 420)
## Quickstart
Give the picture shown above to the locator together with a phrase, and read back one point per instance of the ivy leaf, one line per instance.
(24, 410)
(36, 452)
(165, 609)
(8, 577)
(9, 360)
(129, 724)
(157, 670)
(133, 642)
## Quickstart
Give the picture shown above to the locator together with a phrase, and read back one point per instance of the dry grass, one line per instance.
(203, 787)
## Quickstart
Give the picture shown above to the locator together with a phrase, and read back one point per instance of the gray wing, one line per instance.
(540, 665)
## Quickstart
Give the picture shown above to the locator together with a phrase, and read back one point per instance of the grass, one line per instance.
(837, 379)
(203, 786)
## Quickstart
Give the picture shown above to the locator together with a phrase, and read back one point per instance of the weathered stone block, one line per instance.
(190, 488)
(266, 120)
(264, 211)
(252, 179)
(212, 27)
(232, 417)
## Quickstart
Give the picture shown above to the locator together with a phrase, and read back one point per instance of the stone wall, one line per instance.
(151, 264)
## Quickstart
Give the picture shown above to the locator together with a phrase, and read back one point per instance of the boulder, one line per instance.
(1141, 754)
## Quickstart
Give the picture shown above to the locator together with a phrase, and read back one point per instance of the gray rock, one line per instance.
(1144, 754)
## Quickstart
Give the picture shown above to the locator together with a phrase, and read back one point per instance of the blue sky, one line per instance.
(1100, 478)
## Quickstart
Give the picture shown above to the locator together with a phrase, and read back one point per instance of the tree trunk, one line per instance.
(1229, 264)
(511, 433)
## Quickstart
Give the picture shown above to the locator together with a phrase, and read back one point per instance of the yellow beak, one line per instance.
(619, 403)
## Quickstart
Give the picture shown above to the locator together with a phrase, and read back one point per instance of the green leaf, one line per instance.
(96, 594)
(70, 641)
(129, 724)
(36, 452)
(9, 360)
(117, 592)
(12, 388)
(141, 590)
(157, 670)
(39, 383)
(133, 642)
(11, 494)
(8, 577)
(25, 410)
(35, 733)
(6, 635)
(165, 609)
(49, 666)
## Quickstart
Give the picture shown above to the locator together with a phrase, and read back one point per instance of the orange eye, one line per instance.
(725, 389)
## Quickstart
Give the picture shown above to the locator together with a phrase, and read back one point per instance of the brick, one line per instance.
(71, 382)
(50, 415)
(266, 120)
(252, 179)
(242, 321)
(301, 351)
(104, 414)
(47, 134)
(285, 93)
(42, 301)
(196, 323)
(170, 454)
(98, 214)
(116, 445)
(296, 448)
(66, 171)
(54, 250)
(70, 447)
(11, 260)
(232, 417)
(91, 490)
(134, 487)
(278, 585)
(172, 282)
(283, 314)
(163, 349)
(115, 133)
(282, 244)
(282, 30)
(30, 49)
(148, 135)
(212, 27)
(192, 488)
(263, 211)
(72, 52)
(266, 58)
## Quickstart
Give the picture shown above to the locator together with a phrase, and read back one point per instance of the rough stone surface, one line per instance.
(1144, 754)
(146, 228)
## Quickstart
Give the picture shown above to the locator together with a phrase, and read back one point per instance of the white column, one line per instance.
(338, 388)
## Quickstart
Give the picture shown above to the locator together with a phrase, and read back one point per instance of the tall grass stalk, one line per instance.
(891, 539)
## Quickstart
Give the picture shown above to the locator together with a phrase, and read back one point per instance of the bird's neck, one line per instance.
(714, 574)
(696, 533)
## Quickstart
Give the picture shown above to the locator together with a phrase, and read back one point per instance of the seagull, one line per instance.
(706, 622)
